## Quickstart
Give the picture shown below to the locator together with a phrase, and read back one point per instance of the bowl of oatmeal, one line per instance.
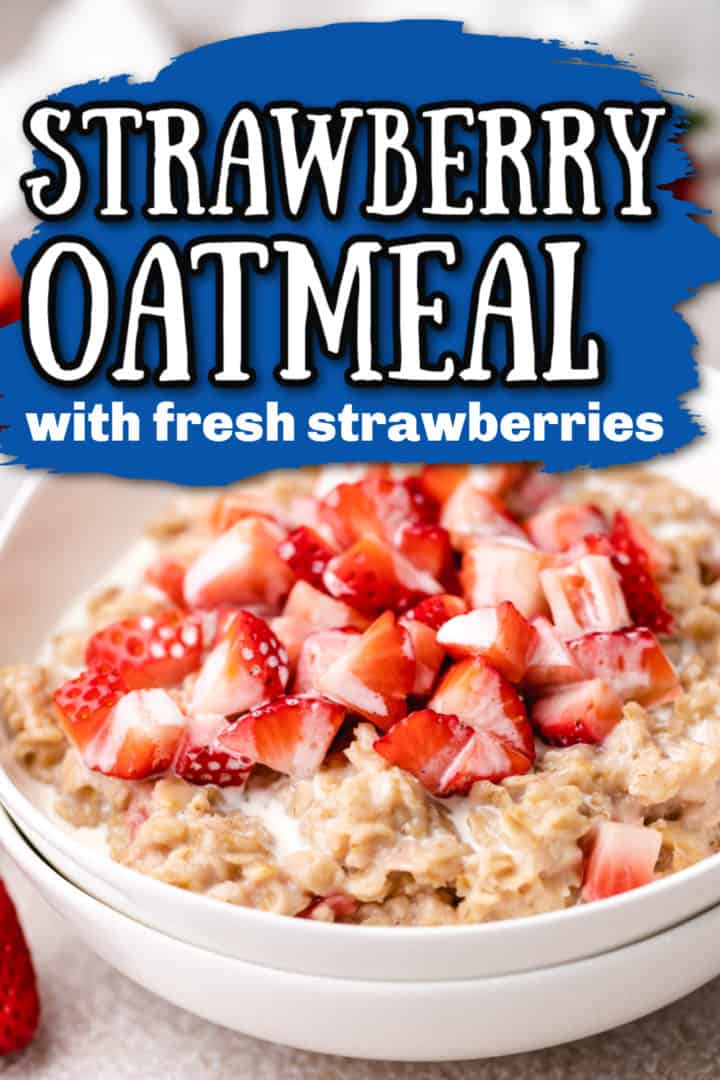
(472, 708)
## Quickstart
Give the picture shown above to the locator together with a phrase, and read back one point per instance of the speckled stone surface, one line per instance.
(97, 1025)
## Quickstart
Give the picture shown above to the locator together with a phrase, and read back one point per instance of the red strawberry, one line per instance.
(583, 712)
(150, 650)
(139, 738)
(375, 675)
(536, 489)
(633, 563)
(246, 668)
(496, 570)
(551, 663)
(341, 905)
(482, 698)
(240, 567)
(168, 575)
(586, 595)
(445, 755)
(84, 703)
(228, 509)
(632, 662)
(372, 577)
(471, 513)
(439, 481)
(429, 656)
(622, 857)
(10, 296)
(306, 553)
(436, 610)
(319, 651)
(199, 759)
(500, 634)
(307, 611)
(291, 735)
(378, 506)
(625, 527)
(349, 513)
(561, 527)
(428, 548)
(20, 1004)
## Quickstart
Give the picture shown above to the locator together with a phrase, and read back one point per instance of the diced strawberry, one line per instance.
(341, 905)
(633, 563)
(482, 698)
(377, 505)
(200, 760)
(318, 611)
(493, 571)
(306, 553)
(439, 481)
(631, 661)
(375, 676)
(445, 755)
(586, 595)
(584, 712)
(246, 668)
(559, 528)
(551, 663)
(149, 650)
(291, 735)
(240, 567)
(436, 610)
(349, 513)
(471, 514)
(139, 738)
(429, 656)
(84, 703)
(372, 577)
(622, 857)
(168, 575)
(232, 507)
(319, 651)
(626, 528)
(534, 491)
(499, 633)
(428, 548)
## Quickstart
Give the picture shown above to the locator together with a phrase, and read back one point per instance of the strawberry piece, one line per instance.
(632, 662)
(309, 610)
(482, 698)
(584, 712)
(18, 987)
(240, 567)
(622, 857)
(200, 760)
(628, 529)
(445, 755)
(535, 490)
(291, 735)
(500, 634)
(150, 650)
(371, 576)
(84, 703)
(375, 675)
(429, 656)
(493, 571)
(246, 668)
(439, 481)
(551, 663)
(586, 595)
(228, 509)
(306, 553)
(633, 563)
(378, 505)
(436, 610)
(341, 905)
(428, 548)
(471, 513)
(319, 651)
(168, 575)
(349, 513)
(10, 296)
(561, 527)
(139, 738)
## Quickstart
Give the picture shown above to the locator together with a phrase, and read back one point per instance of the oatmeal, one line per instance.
(396, 697)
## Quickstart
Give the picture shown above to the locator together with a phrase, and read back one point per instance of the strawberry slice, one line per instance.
(436, 610)
(471, 513)
(375, 675)
(139, 738)
(150, 650)
(493, 571)
(291, 735)
(482, 698)
(445, 755)
(558, 528)
(627, 529)
(319, 651)
(622, 857)
(499, 633)
(633, 563)
(584, 712)
(306, 553)
(429, 656)
(551, 662)
(372, 577)
(240, 567)
(84, 703)
(199, 759)
(246, 668)
(168, 575)
(428, 548)
(632, 662)
(586, 595)
(18, 987)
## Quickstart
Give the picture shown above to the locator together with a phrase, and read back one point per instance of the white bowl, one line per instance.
(36, 586)
(401, 1021)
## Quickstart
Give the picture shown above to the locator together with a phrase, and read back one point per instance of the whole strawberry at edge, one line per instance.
(19, 1002)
